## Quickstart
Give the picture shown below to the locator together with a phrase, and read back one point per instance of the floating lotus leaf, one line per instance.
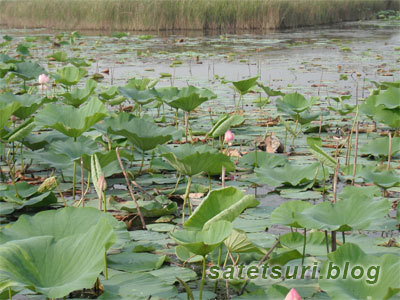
(70, 120)
(28, 70)
(141, 97)
(386, 285)
(223, 204)
(380, 147)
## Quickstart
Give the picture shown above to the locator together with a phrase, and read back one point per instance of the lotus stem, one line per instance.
(130, 188)
(209, 183)
(218, 264)
(22, 160)
(320, 126)
(327, 241)
(335, 178)
(176, 185)
(333, 235)
(186, 125)
(351, 136)
(255, 155)
(304, 246)
(141, 163)
(104, 201)
(324, 179)
(295, 131)
(186, 199)
(61, 194)
(9, 293)
(202, 278)
(343, 237)
(390, 151)
(74, 180)
(105, 265)
(355, 154)
(223, 176)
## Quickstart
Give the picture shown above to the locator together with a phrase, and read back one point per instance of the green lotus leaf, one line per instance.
(191, 160)
(244, 86)
(135, 262)
(287, 213)
(382, 285)
(185, 255)
(141, 133)
(390, 98)
(202, 242)
(70, 75)
(74, 150)
(6, 110)
(315, 241)
(60, 56)
(141, 97)
(380, 147)
(352, 191)
(226, 122)
(385, 179)
(55, 252)
(187, 98)
(109, 94)
(70, 120)
(28, 103)
(28, 70)
(315, 145)
(295, 103)
(289, 174)
(270, 92)
(19, 133)
(345, 215)
(79, 96)
(379, 112)
(223, 204)
(271, 160)
(141, 84)
(238, 242)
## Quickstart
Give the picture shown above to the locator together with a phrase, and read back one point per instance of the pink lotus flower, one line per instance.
(293, 295)
(43, 79)
(229, 137)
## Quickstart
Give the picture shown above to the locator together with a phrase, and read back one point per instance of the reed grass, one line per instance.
(126, 15)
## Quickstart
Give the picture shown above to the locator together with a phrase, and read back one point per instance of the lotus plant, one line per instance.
(293, 295)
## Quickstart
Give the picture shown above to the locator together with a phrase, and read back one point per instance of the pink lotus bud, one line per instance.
(43, 79)
(229, 137)
(13, 118)
(293, 295)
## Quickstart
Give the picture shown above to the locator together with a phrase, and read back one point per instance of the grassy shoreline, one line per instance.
(155, 15)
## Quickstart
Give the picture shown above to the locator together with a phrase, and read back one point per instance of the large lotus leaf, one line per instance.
(141, 83)
(380, 147)
(238, 242)
(143, 134)
(224, 124)
(79, 96)
(75, 150)
(70, 75)
(202, 242)
(28, 70)
(223, 204)
(344, 215)
(382, 285)
(294, 103)
(135, 262)
(289, 174)
(6, 110)
(188, 98)
(55, 252)
(28, 103)
(315, 145)
(270, 160)
(286, 213)
(243, 86)
(352, 191)
(141, 97)
(315, 242)
(390, 98)
(152, 208)
(137, 286)
(70, 120)
(385, 179)
(390, 117)
(191, 160)
(270, 92)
